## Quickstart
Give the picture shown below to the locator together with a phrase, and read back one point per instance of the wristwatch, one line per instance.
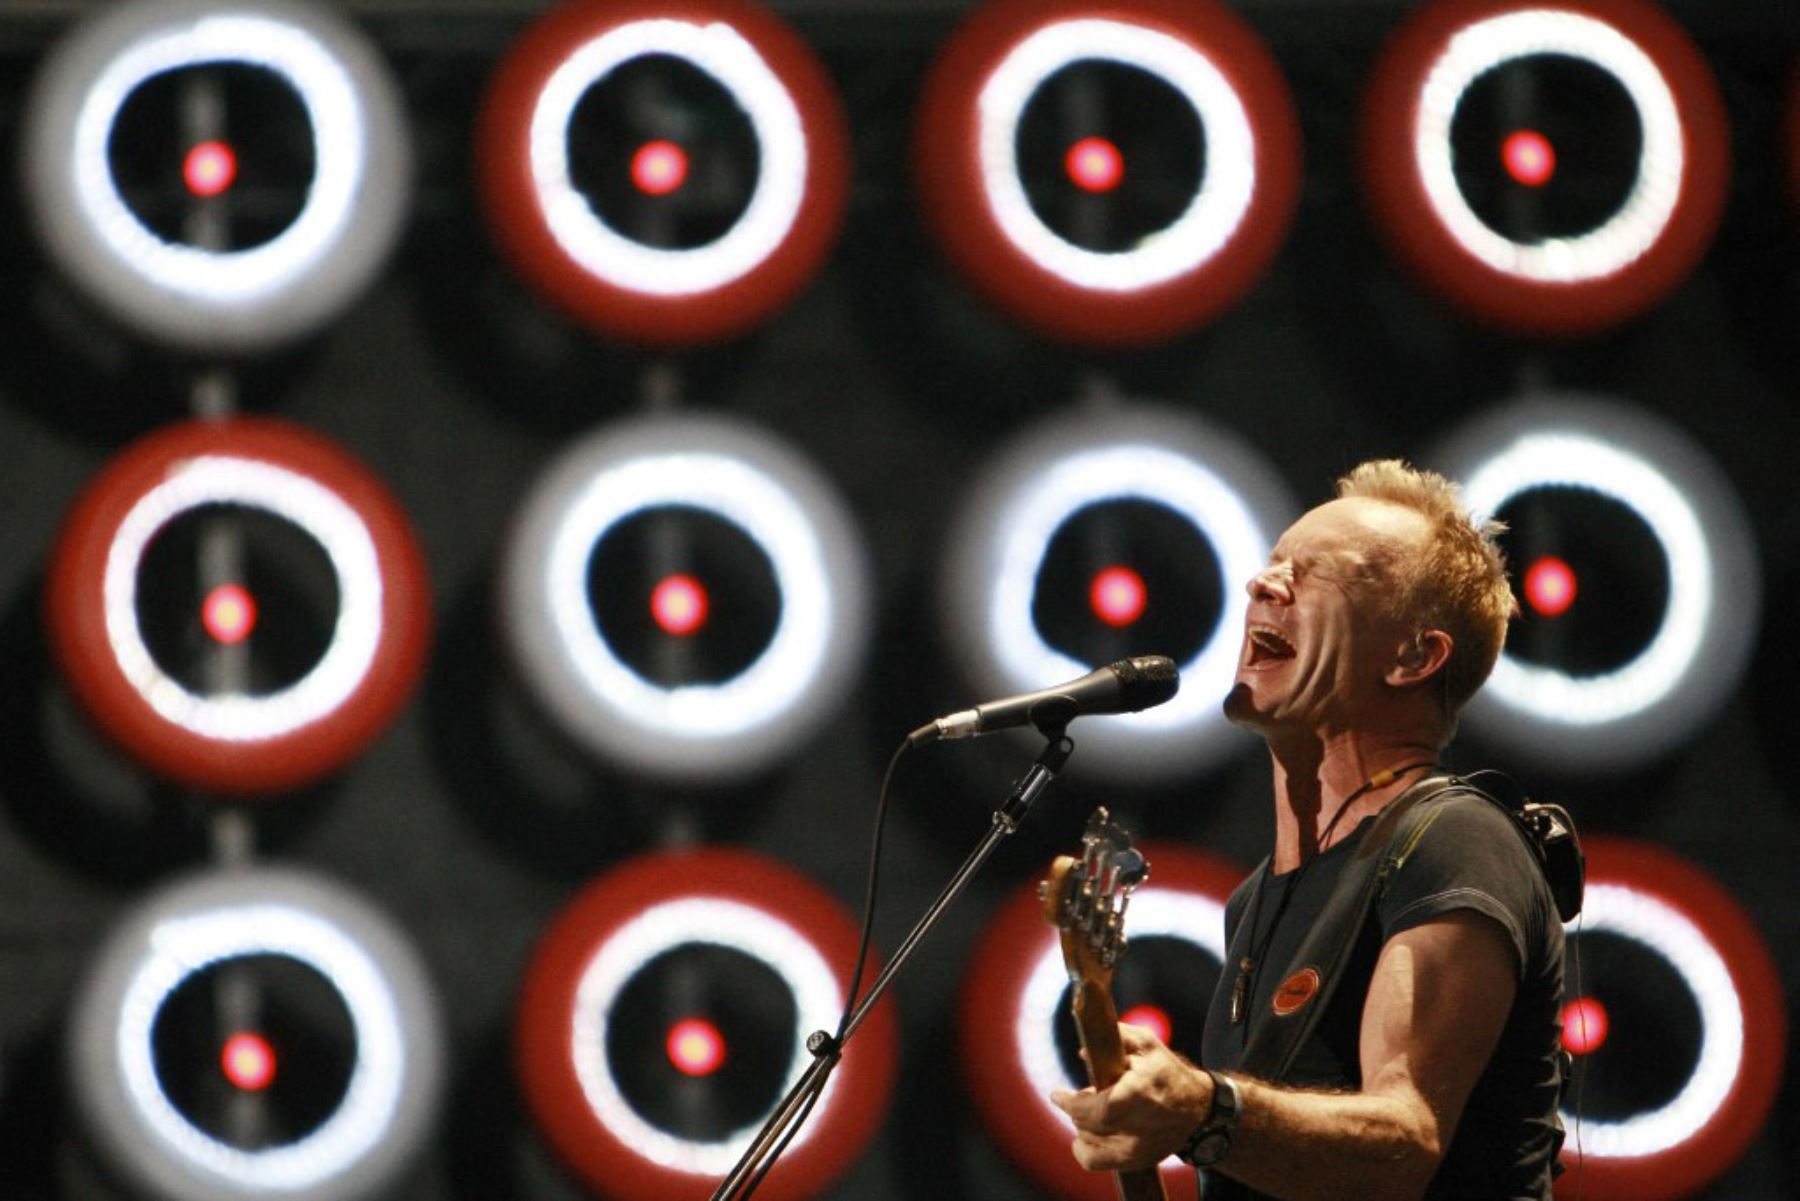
(1212, 1138)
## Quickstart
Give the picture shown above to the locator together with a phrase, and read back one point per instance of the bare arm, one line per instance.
(1436, 1005)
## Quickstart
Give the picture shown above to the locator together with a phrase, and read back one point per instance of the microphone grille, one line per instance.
(1146, 680)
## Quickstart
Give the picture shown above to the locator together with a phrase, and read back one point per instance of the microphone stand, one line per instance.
(769, 1142)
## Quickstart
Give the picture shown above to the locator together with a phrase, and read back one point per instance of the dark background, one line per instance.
(471, 824)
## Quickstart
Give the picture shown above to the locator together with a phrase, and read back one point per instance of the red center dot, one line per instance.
(1118, 596)
(1584, 1026)
(248, 1062)
(209, 168)
(1151, 1018)
(1550, 586)
(696, 1047)
(229, 613)
(1529, 157)
(659, 167)
(679, 605)
(1095, 165)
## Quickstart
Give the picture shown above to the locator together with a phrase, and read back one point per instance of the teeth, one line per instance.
(1270, 641)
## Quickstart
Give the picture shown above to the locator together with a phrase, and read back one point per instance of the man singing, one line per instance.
(1386, 1021)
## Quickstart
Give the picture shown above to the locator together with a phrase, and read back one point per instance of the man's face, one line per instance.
(1317, 640)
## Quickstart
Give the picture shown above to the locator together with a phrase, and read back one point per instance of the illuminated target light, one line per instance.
(696, 1047)
(1218, 485)
(1118, 596)
(1562, 284)
(1178, 276)
(626, 287)
(1585, 1026)
(235, 742)
(209, 169)
(1529, 157)
(1694, 660)
(680, 605)
(217, 300)
(1017, 986)
(693, 731)
(1654, 898)
(1550, 586)
(659, 167)
(655, 906)
(1095, 164)
(389, 1106)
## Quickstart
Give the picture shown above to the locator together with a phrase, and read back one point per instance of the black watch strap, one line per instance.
(1211, 1139)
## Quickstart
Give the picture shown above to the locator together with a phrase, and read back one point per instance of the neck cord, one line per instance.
(1244, 985)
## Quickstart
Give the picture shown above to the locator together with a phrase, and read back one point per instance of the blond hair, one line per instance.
(1458, 585)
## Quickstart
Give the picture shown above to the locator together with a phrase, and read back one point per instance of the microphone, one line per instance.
(1123, 687)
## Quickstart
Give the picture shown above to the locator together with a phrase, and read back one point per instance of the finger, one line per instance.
(1137, 1038)
(1087, 1108)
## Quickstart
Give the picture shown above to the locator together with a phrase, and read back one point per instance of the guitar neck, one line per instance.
(1097, 1025)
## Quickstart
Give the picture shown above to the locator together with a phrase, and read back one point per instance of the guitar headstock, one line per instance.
(1086, 898)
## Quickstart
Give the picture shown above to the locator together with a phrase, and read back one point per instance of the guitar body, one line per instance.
(1085, 899)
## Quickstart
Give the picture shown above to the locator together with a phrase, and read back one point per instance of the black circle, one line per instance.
(744, 597)
(1593, 129)
(749, 1004)
(1622, 579)
(1174, 974)
(1154, 127)
(292, 1006)
(255, 112)
(288, 575)
(660, 97)
(1653, 1034)
(1183, 582)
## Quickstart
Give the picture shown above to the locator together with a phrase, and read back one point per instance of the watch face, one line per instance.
(1212, 1148)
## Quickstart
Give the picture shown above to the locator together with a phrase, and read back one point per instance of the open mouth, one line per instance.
(1268, 646)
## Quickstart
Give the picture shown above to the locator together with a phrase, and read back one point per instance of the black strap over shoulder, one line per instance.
(1398, 830)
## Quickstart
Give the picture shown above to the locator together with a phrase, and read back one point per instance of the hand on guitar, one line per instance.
(1146, 1115)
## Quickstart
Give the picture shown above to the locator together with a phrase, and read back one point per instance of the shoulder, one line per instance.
(1461, 851)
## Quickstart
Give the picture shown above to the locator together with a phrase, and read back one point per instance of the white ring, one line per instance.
(746, 478)
(218, 300)
(333, 108)
(704, 921)
(221, 479)
(727, 56)
(1650, 206)
(1214, 213)
(1213, 481)
(1652, 922)
(1693, 661)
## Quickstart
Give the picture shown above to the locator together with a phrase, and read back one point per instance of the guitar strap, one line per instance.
(1326, 950)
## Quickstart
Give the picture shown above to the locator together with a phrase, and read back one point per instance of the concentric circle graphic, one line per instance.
(224, 737)
(637, 280)
(1186, 264)
(1581, 446)
(388, 1104)
(619, 929)
(180, 289)
(1655, 900)
(1017, 988)
(555, 594)
(1192, 481)
(1540, 278)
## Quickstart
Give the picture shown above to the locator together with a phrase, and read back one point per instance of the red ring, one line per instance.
(1689, 1166)
(75, 612)
(1405, 215)
(1016, 940)
(838, 1130)
(503, 158)
(948, 168)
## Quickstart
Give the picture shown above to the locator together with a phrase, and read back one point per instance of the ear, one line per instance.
(1421, 659)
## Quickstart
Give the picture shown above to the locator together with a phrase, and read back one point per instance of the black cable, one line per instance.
(869, 892)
